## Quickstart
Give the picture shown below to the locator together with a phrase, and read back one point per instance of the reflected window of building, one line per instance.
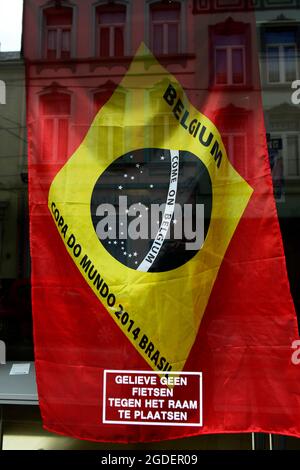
(165, 27)
(285, 162)
(111, 132)
(230, 63)
(233, 123)
(58, 30)
(283, 124)
(281, 52)
(55, 110)
(293, 163)
(291, 153)
(110, 29)
(162, 125)
(101, 96)
(235, 144)
(230, 54)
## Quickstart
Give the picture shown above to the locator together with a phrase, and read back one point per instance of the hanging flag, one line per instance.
(103, 202)
(155, 245)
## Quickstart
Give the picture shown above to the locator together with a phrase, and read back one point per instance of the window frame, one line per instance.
(223, 29)
(281, 62)
(282, 28)
(230, 144)
(229, 69)
(59, 29)
(43, 29)
(111, 42)
(182, 30)
(165, 32)
(284, 136)
(55, 157)
(107, 89)
(95, 30)
(163, 118)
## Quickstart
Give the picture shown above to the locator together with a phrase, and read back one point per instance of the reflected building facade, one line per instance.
(77, 52)
(15, 309)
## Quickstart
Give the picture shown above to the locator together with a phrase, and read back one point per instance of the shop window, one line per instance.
(165, 27)
(55, 114)
(58, 31)
(110, 29)
(230, 57)
(281, 52)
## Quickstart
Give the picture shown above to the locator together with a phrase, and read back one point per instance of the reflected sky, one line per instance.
(10, 24)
